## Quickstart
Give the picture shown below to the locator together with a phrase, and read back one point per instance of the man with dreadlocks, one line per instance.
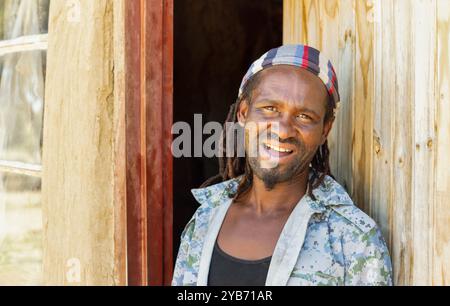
(278, 217)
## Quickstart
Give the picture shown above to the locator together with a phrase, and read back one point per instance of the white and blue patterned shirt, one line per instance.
(327, 241)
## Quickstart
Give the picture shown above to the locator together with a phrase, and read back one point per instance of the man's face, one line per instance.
(284, 121)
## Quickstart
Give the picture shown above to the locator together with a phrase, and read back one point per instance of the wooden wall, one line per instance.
(84, 145)
(391, 140)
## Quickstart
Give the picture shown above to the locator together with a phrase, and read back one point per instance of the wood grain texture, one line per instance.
(149, 109)
(424, 40)
(83, 192)
(137, 248)
(441, 183)
(107, 172)
(362, 139)
(159, 107)
(119, 163)
(392, 60)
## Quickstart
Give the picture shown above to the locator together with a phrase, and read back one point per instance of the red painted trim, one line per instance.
(136, 201)
(167, 120)
(149, 94)
(154, 85)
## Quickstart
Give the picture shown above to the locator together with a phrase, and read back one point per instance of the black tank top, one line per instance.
(226, 270)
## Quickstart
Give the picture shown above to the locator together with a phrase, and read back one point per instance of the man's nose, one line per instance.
(284, 127)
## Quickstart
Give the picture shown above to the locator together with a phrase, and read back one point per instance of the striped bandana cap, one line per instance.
(301, 56)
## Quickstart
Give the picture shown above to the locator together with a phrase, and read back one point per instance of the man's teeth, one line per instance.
(278, 149)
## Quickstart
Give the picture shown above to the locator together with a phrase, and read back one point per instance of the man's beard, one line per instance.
(283, 173)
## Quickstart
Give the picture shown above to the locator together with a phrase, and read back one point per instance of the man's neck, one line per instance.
(282, 198)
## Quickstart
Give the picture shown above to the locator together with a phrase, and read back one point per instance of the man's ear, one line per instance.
(326, 129)
(242, 112)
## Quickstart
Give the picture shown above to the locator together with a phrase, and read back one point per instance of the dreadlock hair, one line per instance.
(231, 167)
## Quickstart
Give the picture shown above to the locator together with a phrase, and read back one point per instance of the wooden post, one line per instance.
(391, 139)
(84, 147)
(149, 86)
(107, 165)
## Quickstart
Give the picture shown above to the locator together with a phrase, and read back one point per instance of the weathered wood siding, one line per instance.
(84, 145)
(391, 139)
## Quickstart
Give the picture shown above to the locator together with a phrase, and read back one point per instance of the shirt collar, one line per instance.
(329, 193)
(216, 194)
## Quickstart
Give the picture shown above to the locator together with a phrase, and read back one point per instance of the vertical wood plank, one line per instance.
(383, 120)
(158, 97)
(167, 119)
(402, 137)
(363, 105)
(120, 214)
(292, 18)
(135, 141)
(423, 112)
(342, 138)
(154, 108)
(149, 83)
(441, 220)
(79, 161)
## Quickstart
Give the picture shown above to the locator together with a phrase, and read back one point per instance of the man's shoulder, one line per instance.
(210, 199)
(342, 209)
(351, 217)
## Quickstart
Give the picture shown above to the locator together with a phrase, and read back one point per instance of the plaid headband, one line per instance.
(300, 56)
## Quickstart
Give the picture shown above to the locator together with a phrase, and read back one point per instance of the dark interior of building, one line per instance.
(215, 42)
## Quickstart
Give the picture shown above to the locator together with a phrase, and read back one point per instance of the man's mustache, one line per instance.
(291, 140)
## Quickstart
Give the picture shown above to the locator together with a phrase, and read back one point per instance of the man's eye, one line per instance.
(304, 117)
(270, 108)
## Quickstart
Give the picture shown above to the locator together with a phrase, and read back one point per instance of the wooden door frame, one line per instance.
(149, 109)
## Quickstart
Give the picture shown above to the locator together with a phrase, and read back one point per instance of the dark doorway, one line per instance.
(215, 41)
